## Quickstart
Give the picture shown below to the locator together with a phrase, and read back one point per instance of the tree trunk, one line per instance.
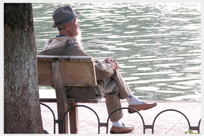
(21, 97)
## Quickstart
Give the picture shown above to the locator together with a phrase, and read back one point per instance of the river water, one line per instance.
(157, 45)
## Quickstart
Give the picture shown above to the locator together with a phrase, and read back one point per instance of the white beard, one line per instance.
(78, 37)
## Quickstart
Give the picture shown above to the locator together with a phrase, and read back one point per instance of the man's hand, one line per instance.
(113, 63)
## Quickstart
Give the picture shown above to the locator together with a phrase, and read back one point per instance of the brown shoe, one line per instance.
(143, 106)
(119, 130)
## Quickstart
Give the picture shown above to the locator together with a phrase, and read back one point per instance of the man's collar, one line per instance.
(65, 37)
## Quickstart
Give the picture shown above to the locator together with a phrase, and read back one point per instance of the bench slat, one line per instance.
(71, 100)
(48, 100)
(49, 58)
(75, 70)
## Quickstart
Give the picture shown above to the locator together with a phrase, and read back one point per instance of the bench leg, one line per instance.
(60, 117)
(60, 91)
(73, 118)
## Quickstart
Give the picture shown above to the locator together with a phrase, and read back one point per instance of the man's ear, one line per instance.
(66, 26)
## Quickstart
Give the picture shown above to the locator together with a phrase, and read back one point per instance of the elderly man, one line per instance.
(110, 83)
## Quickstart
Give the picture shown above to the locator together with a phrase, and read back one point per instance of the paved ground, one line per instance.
(170, 122)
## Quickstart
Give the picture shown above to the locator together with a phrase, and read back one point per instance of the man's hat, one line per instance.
(63, 15)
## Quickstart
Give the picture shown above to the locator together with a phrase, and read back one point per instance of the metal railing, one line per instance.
(106, 123)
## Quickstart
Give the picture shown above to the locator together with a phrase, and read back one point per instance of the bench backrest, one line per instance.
(74, 70)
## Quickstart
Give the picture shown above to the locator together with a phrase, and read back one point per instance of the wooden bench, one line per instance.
(61, 71)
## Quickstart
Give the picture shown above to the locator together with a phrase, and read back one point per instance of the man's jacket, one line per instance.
(68, 46)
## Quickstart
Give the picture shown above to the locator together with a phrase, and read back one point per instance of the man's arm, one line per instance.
(103, 69)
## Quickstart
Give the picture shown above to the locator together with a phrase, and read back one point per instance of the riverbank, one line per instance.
(169, 122)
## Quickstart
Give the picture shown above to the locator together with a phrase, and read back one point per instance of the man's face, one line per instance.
(73, 28)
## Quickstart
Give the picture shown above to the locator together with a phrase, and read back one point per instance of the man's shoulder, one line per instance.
(53, 51)
(57, 48)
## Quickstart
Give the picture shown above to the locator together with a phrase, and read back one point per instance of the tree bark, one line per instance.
(21, 97)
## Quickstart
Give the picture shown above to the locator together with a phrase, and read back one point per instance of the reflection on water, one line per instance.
(158, 46)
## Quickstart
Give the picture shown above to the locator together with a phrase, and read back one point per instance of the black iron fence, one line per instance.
(105, 124)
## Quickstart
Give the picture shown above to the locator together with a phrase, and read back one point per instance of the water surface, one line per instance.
(158, 46)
